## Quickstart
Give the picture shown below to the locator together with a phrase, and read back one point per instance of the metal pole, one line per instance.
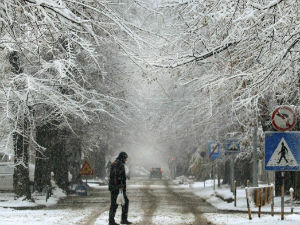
(232, 173)
(219, 179)
(213, 174)
(272, 199)
(235, 193)
(282, 196)
(255, 158)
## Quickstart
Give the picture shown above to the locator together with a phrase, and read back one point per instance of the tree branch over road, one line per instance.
(194, 58)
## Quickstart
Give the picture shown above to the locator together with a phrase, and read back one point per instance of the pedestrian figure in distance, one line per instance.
(283, 151)
(117, 183)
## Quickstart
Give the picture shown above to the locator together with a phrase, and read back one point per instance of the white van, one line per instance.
(7, 172)
(6, 175)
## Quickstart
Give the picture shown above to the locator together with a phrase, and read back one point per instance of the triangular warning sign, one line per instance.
(282, 156)
(86, 169)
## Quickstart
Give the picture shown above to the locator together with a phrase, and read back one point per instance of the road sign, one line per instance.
(214, 150)
(232, 146)
(81, 190)
(282, 151)
(283, 118)
(86, 169)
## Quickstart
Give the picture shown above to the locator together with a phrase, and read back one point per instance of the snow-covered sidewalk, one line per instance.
(8, 200)
(210, 196)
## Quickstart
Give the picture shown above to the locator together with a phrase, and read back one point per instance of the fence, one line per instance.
(260, 196)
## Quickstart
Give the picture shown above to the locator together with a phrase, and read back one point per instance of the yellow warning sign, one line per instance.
(86, 169)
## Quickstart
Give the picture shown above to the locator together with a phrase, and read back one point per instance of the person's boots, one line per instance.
(113, 223)
(125, 222)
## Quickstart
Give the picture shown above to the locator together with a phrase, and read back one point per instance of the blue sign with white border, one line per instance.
(232, 146)
(214, 150)
(81, 190)
(282, 151)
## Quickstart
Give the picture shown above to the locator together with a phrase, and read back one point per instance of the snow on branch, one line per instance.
(195, 58)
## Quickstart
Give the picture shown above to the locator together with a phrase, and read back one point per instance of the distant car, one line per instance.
(156, 173)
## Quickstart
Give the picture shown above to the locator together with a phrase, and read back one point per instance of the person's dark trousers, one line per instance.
(125, 207)
(113, 206)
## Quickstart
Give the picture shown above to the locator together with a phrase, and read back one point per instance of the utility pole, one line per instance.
(255, 155)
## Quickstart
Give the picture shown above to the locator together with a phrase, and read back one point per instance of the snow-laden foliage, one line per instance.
(229, 63)
(53, 61)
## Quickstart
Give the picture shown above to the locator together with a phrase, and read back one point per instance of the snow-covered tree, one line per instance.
(53, 66)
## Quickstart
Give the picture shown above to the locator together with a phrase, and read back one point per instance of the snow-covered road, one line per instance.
(155, 202)
(152, 202)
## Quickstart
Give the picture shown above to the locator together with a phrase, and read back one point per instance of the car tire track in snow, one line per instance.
(151, 204)
(96, 202)
(190, 204)
(93, 216)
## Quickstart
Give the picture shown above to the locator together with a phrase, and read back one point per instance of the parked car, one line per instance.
(156, 173)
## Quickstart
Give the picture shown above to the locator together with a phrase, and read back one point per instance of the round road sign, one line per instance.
(283, 118)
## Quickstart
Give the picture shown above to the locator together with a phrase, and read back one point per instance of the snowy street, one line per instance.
(157, 202)
(194, 103)
(151, 202)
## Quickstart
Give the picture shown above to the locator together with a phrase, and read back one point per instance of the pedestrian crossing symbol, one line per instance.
(282, 151)
(232, 146)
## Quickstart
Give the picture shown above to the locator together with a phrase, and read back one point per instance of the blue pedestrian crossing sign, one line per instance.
(214, 151)
(282, 151)
(232, 146)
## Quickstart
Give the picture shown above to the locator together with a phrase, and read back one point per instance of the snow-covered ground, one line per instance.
(8, 200)
(163, 215)
(42, 216)
(209, 194)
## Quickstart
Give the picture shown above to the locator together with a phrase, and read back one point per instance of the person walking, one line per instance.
(117, 183)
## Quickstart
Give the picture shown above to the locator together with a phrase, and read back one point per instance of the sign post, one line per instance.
(86, 170)
(282, 195)
(282, 153)
(282, 149)
(214, 153)
(232, 147)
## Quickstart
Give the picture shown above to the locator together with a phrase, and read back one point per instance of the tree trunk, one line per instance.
(42, 174)
(226, 178)
(42, 170)
(21, 182)
(20, 142)
(99, 163)
(60, 164)
(53, 159)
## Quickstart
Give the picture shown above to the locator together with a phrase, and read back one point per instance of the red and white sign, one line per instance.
(283, 118)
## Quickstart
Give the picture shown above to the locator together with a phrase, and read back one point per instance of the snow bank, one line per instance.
(241, 219)
(8, 200)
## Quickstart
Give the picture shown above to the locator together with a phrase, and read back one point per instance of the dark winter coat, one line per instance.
(117, 177)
